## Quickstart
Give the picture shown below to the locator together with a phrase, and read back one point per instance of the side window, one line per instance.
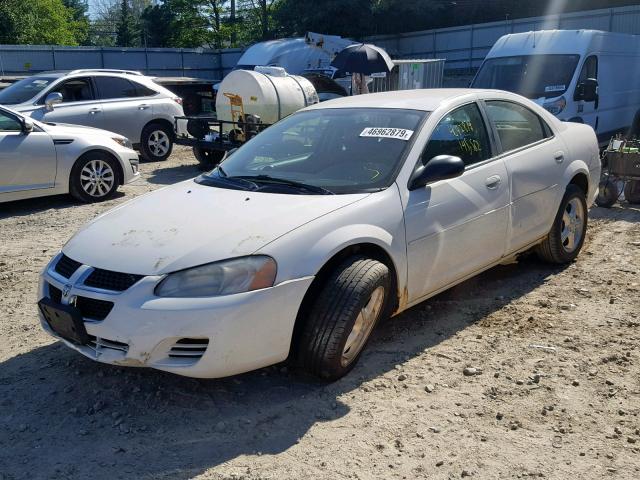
(9, 123)
(75, 90)
(115, 87)
(589, 70)
(461, 133)
(517, 126)
(142, 91)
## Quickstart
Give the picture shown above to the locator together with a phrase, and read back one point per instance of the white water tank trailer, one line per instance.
(268, 92)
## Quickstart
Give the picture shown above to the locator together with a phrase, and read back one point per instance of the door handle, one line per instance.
(93, 111)
(493, 182)
(559, 157)
(144, 106)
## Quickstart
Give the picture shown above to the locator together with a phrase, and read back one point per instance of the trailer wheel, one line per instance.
(632, 191)
(208, 159)
(607, 194)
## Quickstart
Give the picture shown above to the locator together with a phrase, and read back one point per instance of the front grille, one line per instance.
(66, 266)
(92, 308)
(98, 344)
(55, 294)
(108, 280)
(189, 348)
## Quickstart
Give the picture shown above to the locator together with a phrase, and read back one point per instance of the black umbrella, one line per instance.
(363, 58)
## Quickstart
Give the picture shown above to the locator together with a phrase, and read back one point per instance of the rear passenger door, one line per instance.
(79, 105)
(456, 227)
(534, 158)
(126, 105)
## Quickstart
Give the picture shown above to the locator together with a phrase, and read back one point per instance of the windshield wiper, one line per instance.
(285, 181)
(222, 177)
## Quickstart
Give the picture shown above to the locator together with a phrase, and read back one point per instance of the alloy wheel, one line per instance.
(159, 143)
(362, 327)
(572, 225)
(97, 178)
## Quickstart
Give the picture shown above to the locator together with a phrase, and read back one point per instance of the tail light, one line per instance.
(178, 100)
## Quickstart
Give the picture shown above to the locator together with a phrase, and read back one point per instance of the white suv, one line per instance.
(119, 101)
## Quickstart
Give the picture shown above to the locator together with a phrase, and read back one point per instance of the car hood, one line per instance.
(188, 224)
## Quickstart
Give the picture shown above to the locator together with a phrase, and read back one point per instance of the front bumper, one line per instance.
(229, 335)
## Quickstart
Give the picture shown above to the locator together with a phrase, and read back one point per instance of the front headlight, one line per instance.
(125, 142)
(220, 278)
(556, 106)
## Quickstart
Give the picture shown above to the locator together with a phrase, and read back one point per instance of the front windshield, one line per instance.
(338, 150)
(532, 76)
(24, 90)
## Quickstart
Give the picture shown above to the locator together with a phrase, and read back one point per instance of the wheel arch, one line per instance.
(162, 121)
(581, 180)
(367, 249)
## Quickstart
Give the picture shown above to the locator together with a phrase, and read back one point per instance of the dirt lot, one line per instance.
(553, 390)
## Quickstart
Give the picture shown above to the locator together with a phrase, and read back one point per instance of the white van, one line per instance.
(585, 76)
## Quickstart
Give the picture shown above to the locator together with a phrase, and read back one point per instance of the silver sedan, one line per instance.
(39, 159)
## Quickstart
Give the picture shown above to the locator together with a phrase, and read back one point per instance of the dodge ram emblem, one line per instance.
(66, 290)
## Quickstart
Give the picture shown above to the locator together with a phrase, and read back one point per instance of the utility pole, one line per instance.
(233, 23)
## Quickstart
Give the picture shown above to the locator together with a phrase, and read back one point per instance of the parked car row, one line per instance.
(74, 132)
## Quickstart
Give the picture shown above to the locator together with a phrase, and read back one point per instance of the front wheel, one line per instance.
(94, 177)
(566, 237)
(156, 142)
(342, 317)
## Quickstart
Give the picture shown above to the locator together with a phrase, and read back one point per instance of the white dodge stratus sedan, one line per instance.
(39, 159)
(302, 240)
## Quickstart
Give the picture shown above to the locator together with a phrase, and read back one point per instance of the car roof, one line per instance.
(426, 99)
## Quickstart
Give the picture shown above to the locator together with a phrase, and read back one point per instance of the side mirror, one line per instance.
(27, 126)
(51, 100)
(587, 90)
(441, 167)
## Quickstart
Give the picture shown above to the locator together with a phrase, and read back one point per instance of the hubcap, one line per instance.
(97, 178)
(572, 225)
(362, 327)
(158, 143)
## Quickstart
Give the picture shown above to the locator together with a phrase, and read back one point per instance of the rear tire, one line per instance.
(208, 159)
(632, 191)
(608, 194)
(566, 237)
(156, 142)
(339, 322)
(94, 177)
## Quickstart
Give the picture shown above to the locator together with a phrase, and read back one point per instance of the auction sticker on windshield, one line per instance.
(377, 132)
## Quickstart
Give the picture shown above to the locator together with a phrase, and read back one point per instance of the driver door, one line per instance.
(27, 160)
(458, 226)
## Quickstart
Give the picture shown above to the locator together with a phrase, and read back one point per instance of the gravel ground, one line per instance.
(524, 371)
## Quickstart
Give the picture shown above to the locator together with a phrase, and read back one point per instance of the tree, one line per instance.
(79, 10)
(37, 22)
(127, 34)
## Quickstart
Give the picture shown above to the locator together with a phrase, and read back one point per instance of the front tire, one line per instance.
(156, 142)
(566, 237)
(94, 177)
(340, 320)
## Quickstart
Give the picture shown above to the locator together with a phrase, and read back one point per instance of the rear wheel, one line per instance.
(94, 177)
(342, 317)
(156, 142)
(632, 191)
(208, 159)
(608, 194)
(567, 234)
